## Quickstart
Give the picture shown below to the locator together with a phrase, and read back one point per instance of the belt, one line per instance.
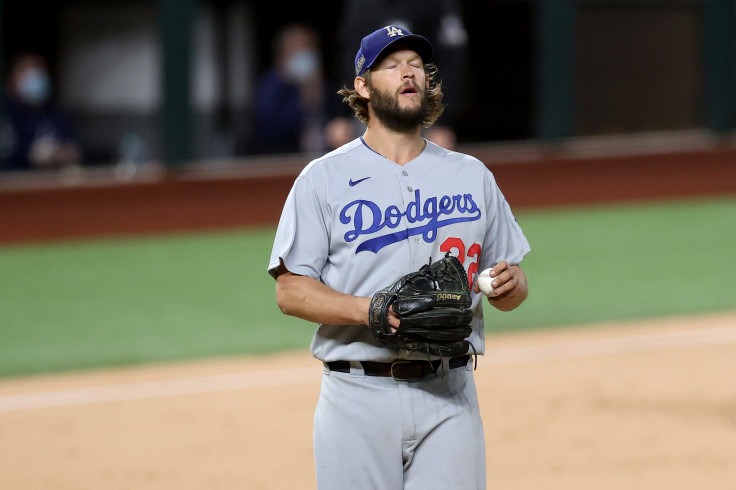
(401, 369)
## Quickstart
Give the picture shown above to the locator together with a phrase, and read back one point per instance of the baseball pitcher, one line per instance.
(379, 245)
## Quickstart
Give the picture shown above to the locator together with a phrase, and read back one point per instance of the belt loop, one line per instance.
(356, 369)
(470, 365)
(325, 368)
(445, 366)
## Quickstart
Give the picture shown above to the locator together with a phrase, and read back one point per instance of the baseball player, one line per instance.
(356, 220)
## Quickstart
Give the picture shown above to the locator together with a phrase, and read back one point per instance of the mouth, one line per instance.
(409, 90)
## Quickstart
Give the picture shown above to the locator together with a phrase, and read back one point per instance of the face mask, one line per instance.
(35, 86)
(302, 65)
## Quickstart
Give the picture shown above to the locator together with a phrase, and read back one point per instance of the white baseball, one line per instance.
(484, 283)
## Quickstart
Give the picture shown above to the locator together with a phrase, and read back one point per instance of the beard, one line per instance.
(387, 110)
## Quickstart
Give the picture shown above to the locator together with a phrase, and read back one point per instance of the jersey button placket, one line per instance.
(410, 197)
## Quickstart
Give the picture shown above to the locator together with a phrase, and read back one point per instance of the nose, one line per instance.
(408, 72)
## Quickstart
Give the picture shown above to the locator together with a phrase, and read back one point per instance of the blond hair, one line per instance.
(359, 104)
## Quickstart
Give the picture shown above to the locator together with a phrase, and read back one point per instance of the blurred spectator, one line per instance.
(441, 22)
(35, 134)
(291, 107)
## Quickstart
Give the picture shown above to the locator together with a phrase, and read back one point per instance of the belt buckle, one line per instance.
(399, 363)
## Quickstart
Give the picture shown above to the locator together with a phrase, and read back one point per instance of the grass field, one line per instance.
(75, 305)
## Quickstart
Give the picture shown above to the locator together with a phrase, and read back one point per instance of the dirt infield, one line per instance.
(648, 405)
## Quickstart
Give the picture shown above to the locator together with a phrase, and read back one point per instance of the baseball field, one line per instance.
(160, 360)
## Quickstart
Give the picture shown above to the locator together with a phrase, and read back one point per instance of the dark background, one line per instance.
(639, 65)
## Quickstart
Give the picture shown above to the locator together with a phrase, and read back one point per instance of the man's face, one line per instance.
(398, 91)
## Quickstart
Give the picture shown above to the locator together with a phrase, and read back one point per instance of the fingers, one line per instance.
(494, 272)
(516, 290)
(499, 268)
(393, 319)
(504, 283)
(504, 279)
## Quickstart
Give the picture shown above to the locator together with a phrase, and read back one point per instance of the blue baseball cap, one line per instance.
(376, 43)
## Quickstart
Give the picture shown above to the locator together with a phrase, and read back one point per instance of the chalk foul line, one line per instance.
(312, 374)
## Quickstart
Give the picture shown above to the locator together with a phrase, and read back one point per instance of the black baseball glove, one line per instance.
(433, 305)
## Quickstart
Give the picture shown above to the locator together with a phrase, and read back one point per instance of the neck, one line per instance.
(397, 147)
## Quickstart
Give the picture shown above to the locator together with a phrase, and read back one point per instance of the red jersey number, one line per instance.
(473, 252)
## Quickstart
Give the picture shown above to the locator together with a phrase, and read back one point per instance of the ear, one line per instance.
(362, 87)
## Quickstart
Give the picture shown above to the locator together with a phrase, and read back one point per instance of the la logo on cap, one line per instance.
(374, 45)
(393, 31)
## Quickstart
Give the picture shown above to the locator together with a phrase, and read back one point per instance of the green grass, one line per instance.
(626, 262)
(76, 305)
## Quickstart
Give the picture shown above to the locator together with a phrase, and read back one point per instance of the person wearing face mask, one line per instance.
(34, 134)
(290, 99)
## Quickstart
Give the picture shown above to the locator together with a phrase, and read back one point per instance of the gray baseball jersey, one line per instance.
(358, 222)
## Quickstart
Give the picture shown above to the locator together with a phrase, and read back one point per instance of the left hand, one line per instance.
(509, 284)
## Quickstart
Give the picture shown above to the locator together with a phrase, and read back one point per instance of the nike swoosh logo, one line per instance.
(356, 182)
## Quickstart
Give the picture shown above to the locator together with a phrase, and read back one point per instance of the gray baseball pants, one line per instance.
(378, 433)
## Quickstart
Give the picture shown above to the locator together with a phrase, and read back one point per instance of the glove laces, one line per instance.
(442, 359)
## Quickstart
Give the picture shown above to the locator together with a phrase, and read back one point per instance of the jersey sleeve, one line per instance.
(301, 242)
(504, 238)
